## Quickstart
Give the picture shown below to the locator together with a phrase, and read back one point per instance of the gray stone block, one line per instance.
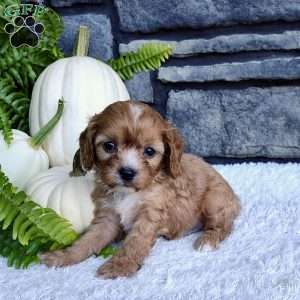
(149, 16)
(252, 122)
(287, 40)
(101, 39)
(68, 3)
(140, 88)
(276, 68)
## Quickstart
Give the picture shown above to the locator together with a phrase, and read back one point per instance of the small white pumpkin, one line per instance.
(19, 160)
(24, 157)
(69, 196)
(88, 86)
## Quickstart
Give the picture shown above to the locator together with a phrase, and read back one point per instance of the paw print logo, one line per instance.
(24, 32)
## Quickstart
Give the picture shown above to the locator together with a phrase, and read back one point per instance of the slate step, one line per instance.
(252, 122)
(68, 3)
(287, 40)
(287, 68)
(150, 16)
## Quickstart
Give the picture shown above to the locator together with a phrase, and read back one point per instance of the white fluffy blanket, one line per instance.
(260, 260)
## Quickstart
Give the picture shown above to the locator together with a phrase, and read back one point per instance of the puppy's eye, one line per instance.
(149, 151)
(110, 147)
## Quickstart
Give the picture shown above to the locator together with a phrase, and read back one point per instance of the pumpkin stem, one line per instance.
(77, 168)
(42, 134)
(82, 42)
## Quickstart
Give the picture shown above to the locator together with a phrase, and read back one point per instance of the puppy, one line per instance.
(145, 187)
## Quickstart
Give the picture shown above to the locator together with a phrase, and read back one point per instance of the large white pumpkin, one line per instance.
(87, 85)
(69, 196)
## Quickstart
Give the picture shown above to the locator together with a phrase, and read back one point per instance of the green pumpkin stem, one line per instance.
(77, 168)
(37, 140)
(82, 42)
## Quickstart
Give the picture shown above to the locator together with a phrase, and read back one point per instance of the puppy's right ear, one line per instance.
(87, 151)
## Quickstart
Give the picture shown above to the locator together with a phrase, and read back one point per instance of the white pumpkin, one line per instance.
(69, 196)
(19, 160)
(87, 86)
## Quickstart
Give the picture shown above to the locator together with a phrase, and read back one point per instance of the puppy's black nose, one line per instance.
(127, 174)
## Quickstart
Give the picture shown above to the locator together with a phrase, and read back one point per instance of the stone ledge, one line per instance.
(101, 39)
(271, 69)
(288, 40)
(68, 3)
(252, 122)
(150, 16)
(140, 88)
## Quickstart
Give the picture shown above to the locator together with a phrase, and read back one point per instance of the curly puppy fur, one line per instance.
(165, 193)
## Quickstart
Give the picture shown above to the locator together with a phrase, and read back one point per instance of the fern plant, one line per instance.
(6, 126)
(29, 220)
(27, 228)
(17, 255)
(20, 67)
(148, 57)
(14, 105)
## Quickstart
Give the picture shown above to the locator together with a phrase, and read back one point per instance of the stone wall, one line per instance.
(232, 85)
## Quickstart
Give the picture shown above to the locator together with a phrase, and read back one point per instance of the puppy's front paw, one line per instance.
(208, 240)
(58, 258)
(118, 266)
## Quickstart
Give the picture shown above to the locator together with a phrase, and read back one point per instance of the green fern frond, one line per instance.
(54, 27)
(14, 62)
(108, 251)
(20, 67)
(29, 220)
(3, 5)
(14, 106)
(148, 57)
(30, 225)
(6, 127)
(17, 255)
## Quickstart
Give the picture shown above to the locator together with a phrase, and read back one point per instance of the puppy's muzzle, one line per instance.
(127, 174)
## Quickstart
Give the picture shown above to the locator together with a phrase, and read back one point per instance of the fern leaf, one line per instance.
(108, 251)
(53, 24)
(20, 67)
(5, 125)
(15, 106)
(27, 229)
(31, 218)
(20, 256)
(148, 57)
(30, 223)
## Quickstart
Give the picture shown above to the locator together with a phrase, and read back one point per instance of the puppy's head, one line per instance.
(129, 144)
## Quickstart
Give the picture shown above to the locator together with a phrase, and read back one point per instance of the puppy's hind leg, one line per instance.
(219, 209)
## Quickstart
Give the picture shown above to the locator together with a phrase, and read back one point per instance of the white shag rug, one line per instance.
(260, 260)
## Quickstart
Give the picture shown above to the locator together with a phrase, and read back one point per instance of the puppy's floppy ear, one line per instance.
(174, 150)
(87, 151)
